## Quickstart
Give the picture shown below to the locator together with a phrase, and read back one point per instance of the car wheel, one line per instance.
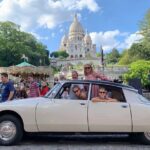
(11, 130)
(145, 137)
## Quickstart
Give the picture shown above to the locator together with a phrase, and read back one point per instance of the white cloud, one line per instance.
(106, 39)
(31, 14)
(39, 37)
(111, 39)
(132, 38)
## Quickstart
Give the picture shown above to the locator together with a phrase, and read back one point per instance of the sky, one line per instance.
(110, 23)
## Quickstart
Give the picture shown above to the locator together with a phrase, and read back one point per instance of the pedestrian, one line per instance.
(74, 75)
(56, 80)
(62, 77)
(44, 88)
(33, 87)
(7, 88)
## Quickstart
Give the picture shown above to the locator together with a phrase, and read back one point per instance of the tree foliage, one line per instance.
(139, 69)
(125, 58)
(14, 43)
(140, 50)
(145, 26)
(59, 54)
(113, 56)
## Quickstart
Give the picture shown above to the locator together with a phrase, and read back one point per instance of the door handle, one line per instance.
(82, 103)
(124, 106)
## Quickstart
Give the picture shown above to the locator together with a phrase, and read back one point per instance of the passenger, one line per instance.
(56, 80)
(74, 77)
(80, 93)
(90, 74)
(65, 94)
(103, 96)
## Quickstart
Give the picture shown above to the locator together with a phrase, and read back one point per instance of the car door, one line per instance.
(62, 114)
(110, 116)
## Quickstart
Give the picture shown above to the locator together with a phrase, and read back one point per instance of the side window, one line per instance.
(107, 93)
(63, 93)
(73, 91)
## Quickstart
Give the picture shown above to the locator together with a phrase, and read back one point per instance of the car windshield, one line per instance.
(53, 91)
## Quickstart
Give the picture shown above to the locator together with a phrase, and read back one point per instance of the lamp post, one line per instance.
(102, 58)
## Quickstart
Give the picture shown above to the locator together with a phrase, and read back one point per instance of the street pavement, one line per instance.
(77, 142)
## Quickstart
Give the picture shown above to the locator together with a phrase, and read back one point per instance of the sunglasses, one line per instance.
(102, 92)
(75, 91)
(87, 68)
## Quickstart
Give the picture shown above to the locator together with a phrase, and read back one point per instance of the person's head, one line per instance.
(30, 78)
(62, 77)
(4, 77)
(102, 92)
(88, 69)
(76, 90)
(55, 79)
(44, 83)
(74, 75)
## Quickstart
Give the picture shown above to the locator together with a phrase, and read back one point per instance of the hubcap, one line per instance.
(147, 135)
(7, 130)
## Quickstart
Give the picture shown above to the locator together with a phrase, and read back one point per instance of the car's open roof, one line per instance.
(111, 83)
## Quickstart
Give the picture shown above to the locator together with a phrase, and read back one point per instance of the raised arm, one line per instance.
(100, 76)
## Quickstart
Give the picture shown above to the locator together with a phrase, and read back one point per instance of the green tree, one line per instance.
(140, 51)
(124, 58)
(98, 54)
(139, 69)
(59, 54)
(145, 26)
(63, 54)
(113, 56)
(14, 43)
(54, 54)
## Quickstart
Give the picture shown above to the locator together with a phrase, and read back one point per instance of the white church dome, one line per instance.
(76, 27)
(64, 39)
(87, 39)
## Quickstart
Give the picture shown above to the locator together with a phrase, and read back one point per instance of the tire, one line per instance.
(11, 130)
(145, 138)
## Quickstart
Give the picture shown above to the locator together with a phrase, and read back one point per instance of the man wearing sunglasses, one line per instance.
(103, 96)
(80, 93)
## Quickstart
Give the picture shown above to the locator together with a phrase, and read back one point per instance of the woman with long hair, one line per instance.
(90, 74)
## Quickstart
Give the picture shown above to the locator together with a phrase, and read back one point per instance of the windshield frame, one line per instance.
(51, 94)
